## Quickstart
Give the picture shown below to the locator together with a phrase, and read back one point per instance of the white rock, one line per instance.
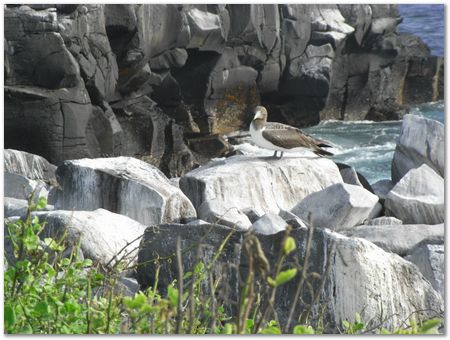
(124, 185)
(399, 239)
(418, 197)
(376, 284)
(222, 191)
(338, 207)
(269, 224)
(17, 207)
(421, 141)
(429, 258)
(20, 187)
(30, 166)
(105, 236)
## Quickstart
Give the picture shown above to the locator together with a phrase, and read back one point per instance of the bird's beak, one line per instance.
(258, 115)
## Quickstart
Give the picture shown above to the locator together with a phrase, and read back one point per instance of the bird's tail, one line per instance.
(322, 152)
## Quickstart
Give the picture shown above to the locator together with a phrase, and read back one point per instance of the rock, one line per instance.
(418, 197)
(123, 185)
(382, 187)
(99, 241)
(338, 207)
(206, 30)
(18, 207)
(384, 221)
(351, 176)
(342, 262)
(20, 187)
(429, 258)
(30, 166)
(421, 141)
(399, 238)
(268, 224)
(223, 190)
(126, 286)
(199, 244)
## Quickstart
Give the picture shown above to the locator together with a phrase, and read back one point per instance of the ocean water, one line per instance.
(426, 21)
(369, 146)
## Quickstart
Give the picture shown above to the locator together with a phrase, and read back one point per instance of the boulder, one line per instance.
(30, 166)
(382, 187)
(399, 239)
(429, 258)
(123, 185)
(105, 237)
(198, 243)
(356, 275)
(17, 207)
(268, 224)
(126, 286)
(351, 176)
(224, 191)
(20, 187)
(338, 207)
(421, 141)
(418, 197)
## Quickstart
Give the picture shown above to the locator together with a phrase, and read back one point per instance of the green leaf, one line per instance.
(357, 317)
(228, 328)
(302, 329)
(42, 203)
(282, 277)
(249, 325)
(172, 293)
(199, 267)
(26, 330)
(10, 316)
(271, 330)
(430, 326)
(86, 263)
(289, 245)
(41, 308)
(136, 302)
(358, 326)
(345, 324)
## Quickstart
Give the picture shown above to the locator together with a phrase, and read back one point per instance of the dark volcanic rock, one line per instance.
(79, 77)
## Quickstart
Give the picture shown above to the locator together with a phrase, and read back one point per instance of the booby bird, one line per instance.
(282, 137)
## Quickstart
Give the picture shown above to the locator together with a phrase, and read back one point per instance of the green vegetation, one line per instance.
(48, 289)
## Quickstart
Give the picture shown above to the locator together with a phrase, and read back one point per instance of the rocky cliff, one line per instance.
(152, 80)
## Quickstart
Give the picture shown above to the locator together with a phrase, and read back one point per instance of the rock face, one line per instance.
(429, 258)
(338, 207)
(421, 141)
(418, 197)
(90, 80)
(17, 207)
(233, 190)
(30, 166)
(269, 224)
(358, 276)
(103, 242)
(123, 185)
(399, 239)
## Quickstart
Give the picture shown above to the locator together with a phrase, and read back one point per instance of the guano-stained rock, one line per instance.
(222, 191)
(338, 207)
(418, 197)
(123, 185)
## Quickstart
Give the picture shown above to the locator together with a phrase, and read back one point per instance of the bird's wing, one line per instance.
(289, 132)
(288, 137)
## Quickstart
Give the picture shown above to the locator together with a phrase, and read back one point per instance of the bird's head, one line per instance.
(260, 114)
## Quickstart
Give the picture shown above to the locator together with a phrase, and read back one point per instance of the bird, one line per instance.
(282, 137)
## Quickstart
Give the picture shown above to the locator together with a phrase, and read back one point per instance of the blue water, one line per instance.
(427, 22)
(369, 146)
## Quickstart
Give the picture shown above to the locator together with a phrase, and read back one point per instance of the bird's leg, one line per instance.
(281, 154)
(275, 154)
